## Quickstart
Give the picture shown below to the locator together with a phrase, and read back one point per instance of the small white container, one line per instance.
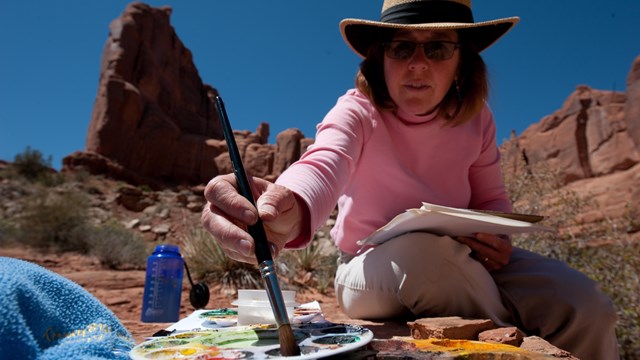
(254, 306)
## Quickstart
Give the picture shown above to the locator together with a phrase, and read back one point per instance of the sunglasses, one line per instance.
(433, 50)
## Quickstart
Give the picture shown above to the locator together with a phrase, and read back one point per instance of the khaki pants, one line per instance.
(424, 275)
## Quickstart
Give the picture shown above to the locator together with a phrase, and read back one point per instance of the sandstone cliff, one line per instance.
(154, 121)
(593, 141)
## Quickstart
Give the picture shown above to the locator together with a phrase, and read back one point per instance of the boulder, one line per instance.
(452, 327)
(539, 345)
(509, 336)
(288, 149)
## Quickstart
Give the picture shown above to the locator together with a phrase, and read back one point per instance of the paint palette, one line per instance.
(222, 317)
(316, 340)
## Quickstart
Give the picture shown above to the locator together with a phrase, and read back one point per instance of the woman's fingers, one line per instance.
(499, 248)
(281, 215)
(233, 239)
(221, 192)
(228, 214)
(492, 251)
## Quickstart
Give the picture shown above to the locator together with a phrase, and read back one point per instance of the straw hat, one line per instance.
(424, 15)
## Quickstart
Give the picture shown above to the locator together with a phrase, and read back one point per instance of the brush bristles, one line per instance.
(288, 345)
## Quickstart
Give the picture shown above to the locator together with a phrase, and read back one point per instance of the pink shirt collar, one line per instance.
(408, 118)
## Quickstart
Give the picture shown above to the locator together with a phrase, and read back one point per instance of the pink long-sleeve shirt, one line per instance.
(376, 164)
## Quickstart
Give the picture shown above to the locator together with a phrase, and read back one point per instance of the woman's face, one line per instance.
(416, 83)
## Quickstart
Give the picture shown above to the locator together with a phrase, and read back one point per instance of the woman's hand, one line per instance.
(492, 251)
(227, 215)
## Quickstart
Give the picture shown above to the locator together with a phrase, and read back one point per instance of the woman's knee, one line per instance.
(417, 251)
(436, 276)
(369, 304)
(368, 287)
(598, 308)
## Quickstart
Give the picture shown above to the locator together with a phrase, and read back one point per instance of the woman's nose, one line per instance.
(418, 60)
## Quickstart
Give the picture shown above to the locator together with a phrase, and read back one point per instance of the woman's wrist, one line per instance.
(303, 227)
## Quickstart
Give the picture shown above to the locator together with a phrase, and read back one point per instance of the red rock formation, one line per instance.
(288, 149)
(586, 138)
(632, 111)
(154, 120)
(593, 142)
(153, 114)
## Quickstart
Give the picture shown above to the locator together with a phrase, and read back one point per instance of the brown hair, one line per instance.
(472, 82)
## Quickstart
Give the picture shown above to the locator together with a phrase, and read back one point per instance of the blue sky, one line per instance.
(285, 63)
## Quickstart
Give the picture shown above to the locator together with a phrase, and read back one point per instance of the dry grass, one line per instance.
(207, 262)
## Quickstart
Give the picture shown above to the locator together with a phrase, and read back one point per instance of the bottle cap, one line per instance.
(167, 248)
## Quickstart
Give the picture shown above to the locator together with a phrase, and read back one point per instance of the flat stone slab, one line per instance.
(507, 335)
(452, 327)
(538, 344)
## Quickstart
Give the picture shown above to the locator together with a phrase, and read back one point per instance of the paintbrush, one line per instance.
(288, 345)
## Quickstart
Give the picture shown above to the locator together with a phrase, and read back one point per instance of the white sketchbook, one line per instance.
(443, 220)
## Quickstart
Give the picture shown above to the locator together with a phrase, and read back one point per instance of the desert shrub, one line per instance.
(208, 262)
(80, 175)
(118, 247)
(311, 267)
(31, 165)
(631, 218)
(55, 220)
(145, 188)
(7, 233)
(599, 250)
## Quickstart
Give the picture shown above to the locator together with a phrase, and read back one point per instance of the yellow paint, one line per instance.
(463, 347)
(188, 351)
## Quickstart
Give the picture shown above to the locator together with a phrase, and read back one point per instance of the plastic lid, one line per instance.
(259, 303)
(168, 248)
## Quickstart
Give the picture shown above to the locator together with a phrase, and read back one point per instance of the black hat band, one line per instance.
(431, 11)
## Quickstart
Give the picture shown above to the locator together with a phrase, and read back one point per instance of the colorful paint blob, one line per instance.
(223, 317)
(315, 341)
(469, 349)
(218, 313)
(336, 340)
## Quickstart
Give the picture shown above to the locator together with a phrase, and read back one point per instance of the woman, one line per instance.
(416, 128)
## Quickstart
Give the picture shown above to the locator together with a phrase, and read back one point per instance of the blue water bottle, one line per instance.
(163, 285)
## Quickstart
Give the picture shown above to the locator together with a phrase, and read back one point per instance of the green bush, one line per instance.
(58, 221)
(118, 247)
(7, 233)
(55, 220)
(32, 165)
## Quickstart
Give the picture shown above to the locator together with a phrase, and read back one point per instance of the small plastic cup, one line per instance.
(254, 306)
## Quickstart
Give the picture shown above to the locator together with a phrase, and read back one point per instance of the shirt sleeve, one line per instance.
(485, 175)
(323, 171)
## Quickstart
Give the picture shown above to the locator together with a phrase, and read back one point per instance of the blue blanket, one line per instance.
(46, 316)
